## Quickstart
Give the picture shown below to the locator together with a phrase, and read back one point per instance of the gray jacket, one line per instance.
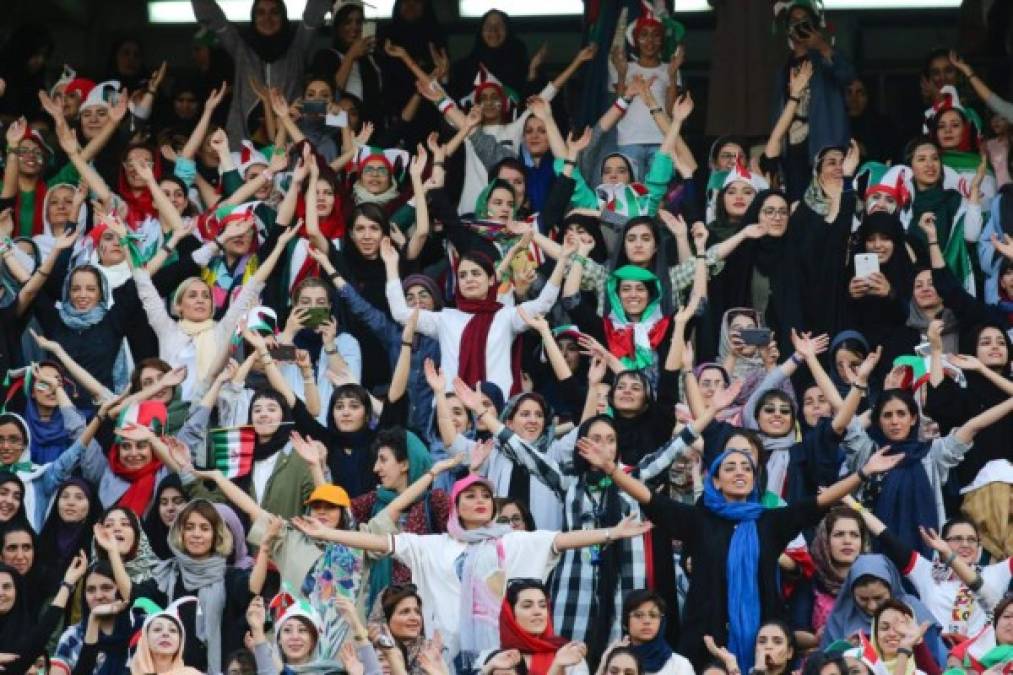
(286, 73)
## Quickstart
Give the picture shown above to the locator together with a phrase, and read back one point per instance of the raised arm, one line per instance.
(26, 296)
(399, 379)
(798, 80)
(552, 351)
(374, 543)
(68, 142)
(268, 265)
(193, 143)
(73, 368)
(627, 528)
(415, 491)
(859, 388)
(967, 431)
(820, 376)
(421, 232)
(878, 463)
(584, 55)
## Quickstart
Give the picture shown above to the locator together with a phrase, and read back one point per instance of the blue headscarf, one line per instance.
(76, 319)
(906, 499)
(742, 571)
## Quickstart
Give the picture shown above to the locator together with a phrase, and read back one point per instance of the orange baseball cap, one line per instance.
(332, 494)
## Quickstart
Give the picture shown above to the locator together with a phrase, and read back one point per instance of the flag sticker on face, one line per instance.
(230, 450)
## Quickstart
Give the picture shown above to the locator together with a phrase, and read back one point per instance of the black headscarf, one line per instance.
(35, 590)
(659, 266)
(131, 82)
(23, 85)
(59, 540)
(20, 516)
(508, 62)
(349, 451)
(898, 270)
(415, 36)
(157, 531)
(270, 48)
(15, 624)
(264, 449)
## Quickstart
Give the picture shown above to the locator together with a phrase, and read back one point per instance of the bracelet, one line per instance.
(608, 536)
(330, 350)
(266, 360)
(69, 586)
(569, 162)
(795, 98)
(796, 359)
(700, 256)
(655, 111)
(307, 380)
(334, 275)
(905, 651)
(406, 343)
(862, 476)
(439, 163)
(622, 103)
(860, 387)
(934, 242)
(41, 273)
(950, 558)
(445, 104)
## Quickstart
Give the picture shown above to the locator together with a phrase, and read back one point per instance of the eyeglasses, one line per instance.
(517, 519)
(375, 170)
(771, 212)
(973, 541)
(12, 441)
(728, 156)
(771, 409)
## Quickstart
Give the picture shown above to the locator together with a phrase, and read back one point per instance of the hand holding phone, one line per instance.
(866, 264)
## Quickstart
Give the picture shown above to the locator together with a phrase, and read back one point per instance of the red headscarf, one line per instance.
(140, 204)
(142, 482)
(542, 648)
(38, 220)
(471, 362)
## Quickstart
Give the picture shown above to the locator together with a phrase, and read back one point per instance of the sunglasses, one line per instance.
(771, 409)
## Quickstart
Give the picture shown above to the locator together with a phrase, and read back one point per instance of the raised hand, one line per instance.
(394, 51)
(256, 614)
(350, 660)
(570, 654)
(683, 107)
(631, 526)
(864, 370)
(966, 362)
(755, 231)
(881, 462)
(472, 398)
(935, 542)
(576, 144)
(78, 566)
(388, 253)
(596, 370)
(103, 539)
(215, 97)
(539, 107)
(927, 223)
(434, 377)
(960, 64)
(851, 158)
(479, 454)
(309, 527)
(595, 454)
(537, 322)
(447, 464)
(675, 63)
(934, 334)
(675, 224)
(418, 164)
(723, 398)
(16, 131)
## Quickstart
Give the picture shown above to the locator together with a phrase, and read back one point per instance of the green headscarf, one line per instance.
(419, 462)
(945, 204)
(641, 354)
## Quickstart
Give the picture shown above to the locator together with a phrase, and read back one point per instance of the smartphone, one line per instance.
(282, 353)
(316, 316)
(318, 108)
(755, 337)
(369, 29)
(339, 120)
(866, 264)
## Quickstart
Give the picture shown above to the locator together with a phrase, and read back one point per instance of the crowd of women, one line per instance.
(357, 358)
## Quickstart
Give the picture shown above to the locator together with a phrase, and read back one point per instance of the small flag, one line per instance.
(870, 656)
(231, 450)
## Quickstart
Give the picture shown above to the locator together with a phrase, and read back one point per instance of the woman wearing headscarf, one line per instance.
(168, 500)
(199, 567)
(162, 647)
(111, 630)
(400, 459)
(465, 606)
(12, 498)
(499, 50)
(733, 540)
(271, 48)
(21, 632)
(644, 625)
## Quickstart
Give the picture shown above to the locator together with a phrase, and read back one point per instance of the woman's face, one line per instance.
(711, 381)
(11, 447)
(475, 506)
(773, 648)
(604, 434)
(634, 297)
(494, 30)
(268, 17)
(366, 235)
(571, 352)
(350, 28)
(881, 245)
(43, 394)
(896, 420)
(622, 664)
(528, 421)
(870, 596)
(18, 551)
(313, 296)
(31, 157)
(535, 136)
(117, 525)
(644, 623)
(93, 120)
(326, 513)
(175, 194)
(856, 98)
(297, 641)
(615, 171)
(59, 206)
(376, 176)
(419, 297)
(170, 502)
(490, 102)
(473, 281)
(991, 349)
(1003, 625)
(198, 535)
(775, 418)
(195, 303)
(950, 130)
(501, 205)
(8, 594)
(629, 396)
(774, 214)
(963, 539)
(458, 413)
(650, 39)
(110, 249)
(264, 191)
(164, 637)
(1006, 282)
(532, 611)
(98, 590)
(318, 90)
(411, 10)
(735, 476)
(738, 196)
(880, 201)
(845, 541)
(925, 295)
(149, 377)
(512, 516)
(925, 166)
(10, 492)
(845, 362)
(184, 105)
(890, 630)
(392, 473)
(72, 504)
(137, 157)
(349, 414)
(85, 290)
(406, 619)
(128, 58)
(516, 180)
(815, 405)
(832, 167)
(266, 415)
(134, 454)
(729, 155)
(739, 322)
(640, 245)
(325, 198)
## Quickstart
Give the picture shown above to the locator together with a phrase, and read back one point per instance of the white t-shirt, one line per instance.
(434, 560)
(637, 125)
(956, 607)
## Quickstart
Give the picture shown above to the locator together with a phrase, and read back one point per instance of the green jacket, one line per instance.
(287, 489)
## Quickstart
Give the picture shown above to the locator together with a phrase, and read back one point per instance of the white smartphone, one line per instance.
(866, 264)
(368, 29)
(339, 120)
